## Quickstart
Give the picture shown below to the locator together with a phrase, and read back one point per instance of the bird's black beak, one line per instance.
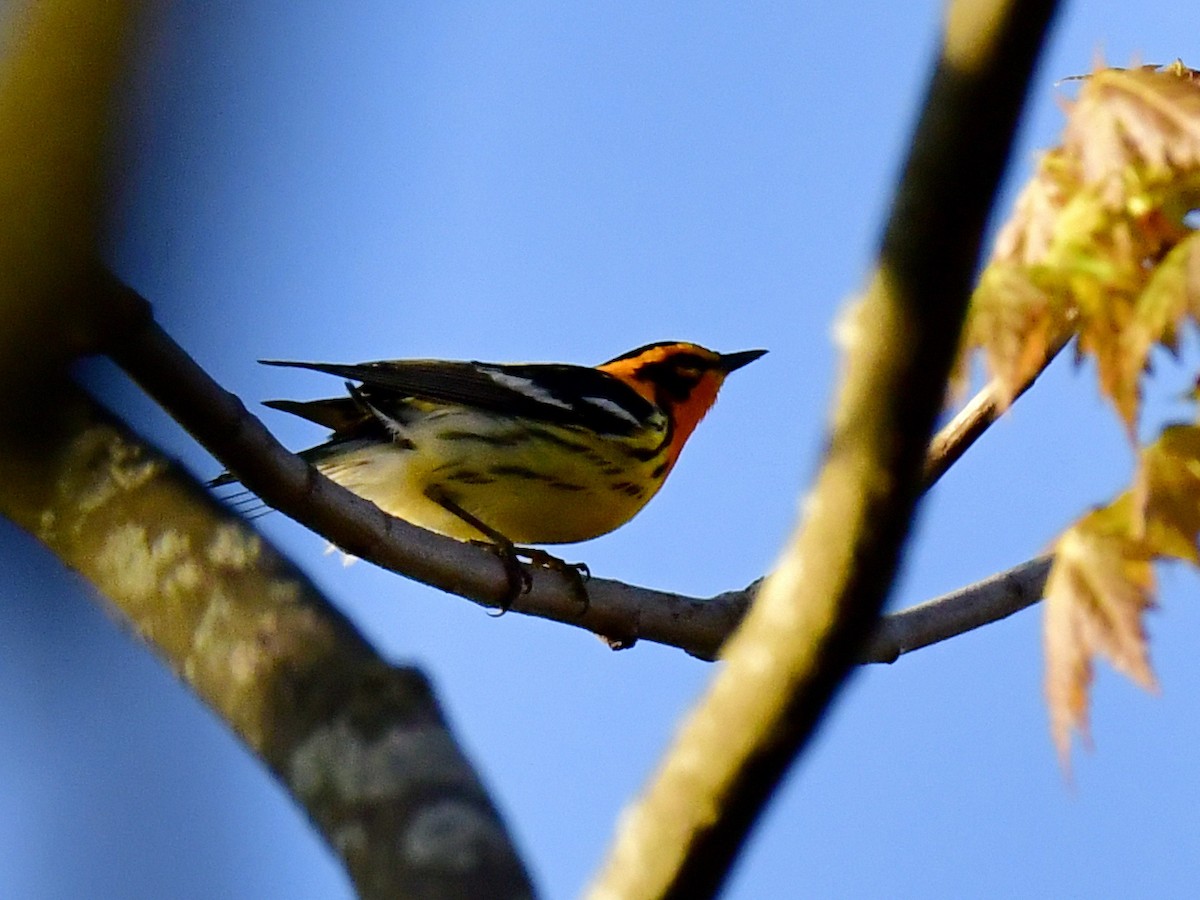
(731, 361)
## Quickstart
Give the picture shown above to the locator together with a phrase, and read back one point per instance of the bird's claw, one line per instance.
(520, 581)
(577, 573)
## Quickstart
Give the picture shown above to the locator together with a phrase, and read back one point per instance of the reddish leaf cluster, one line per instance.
(1099, 248)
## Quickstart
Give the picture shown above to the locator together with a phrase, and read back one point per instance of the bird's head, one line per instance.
(680, 378)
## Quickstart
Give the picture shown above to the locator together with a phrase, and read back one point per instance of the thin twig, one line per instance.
(980, 413)
(958, 612)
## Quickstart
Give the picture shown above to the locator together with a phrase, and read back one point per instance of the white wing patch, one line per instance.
(525, 386)
(615, 409)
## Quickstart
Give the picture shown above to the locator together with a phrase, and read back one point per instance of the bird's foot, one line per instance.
(519, 579)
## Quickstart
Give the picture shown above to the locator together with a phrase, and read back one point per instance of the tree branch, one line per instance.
(361, 745)
(812, 616)
(977, 416)
(621, 612)
(996, 597)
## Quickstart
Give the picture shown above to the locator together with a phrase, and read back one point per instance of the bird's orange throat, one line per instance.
(686, 414)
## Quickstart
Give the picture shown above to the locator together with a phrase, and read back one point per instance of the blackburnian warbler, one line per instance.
(513, 454)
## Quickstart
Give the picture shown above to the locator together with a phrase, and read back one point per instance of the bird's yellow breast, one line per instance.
(532, 483)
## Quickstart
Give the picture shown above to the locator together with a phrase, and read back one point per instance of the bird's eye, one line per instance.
(691, 373)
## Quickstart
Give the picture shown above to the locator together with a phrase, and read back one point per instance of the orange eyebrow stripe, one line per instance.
(627, 367)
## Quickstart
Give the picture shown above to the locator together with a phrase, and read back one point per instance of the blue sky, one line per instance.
(542, 181)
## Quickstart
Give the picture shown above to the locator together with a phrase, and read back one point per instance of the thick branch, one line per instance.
(810, 620)
(360, 744)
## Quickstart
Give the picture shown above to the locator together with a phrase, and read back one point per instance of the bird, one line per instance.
(510, 455)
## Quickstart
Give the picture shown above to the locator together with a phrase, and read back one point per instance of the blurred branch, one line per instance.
(59, 64)
(361, 745)
(813, 615)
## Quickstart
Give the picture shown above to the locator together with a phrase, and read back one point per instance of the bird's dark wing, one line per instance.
(338, 414)
(546, 392)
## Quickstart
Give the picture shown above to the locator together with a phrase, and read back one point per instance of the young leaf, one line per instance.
(1099, 245)
(1146, 118)
(1170, 297)
(1099, 586)
(1091, 246)
(1166, 495)
(1015, 322)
